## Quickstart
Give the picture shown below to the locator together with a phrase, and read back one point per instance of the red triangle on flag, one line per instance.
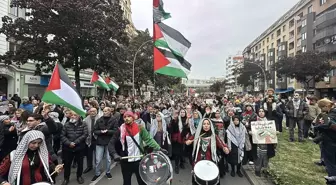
(160, 60)
(55, 80)
(108, 80)
(157, 32)
(94, 77)
(156, 3)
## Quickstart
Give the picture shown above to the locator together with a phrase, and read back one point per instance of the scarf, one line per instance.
(236, 134)
(296, 104)
(88, 121)
(133, 128)
(20, 153)
(212, 141)
(154, 128)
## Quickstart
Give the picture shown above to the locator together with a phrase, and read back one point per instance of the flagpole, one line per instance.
(136, 53)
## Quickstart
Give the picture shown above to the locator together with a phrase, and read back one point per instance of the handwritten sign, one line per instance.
(264, 132)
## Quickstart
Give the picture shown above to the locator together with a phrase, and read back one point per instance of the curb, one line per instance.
(252, 178)
(248, 177)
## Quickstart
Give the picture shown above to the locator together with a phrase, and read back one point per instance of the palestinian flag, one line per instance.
(158, 12)
(61, 91)
(166, 63)
(168, 38)
(111, 84)
(99, 81)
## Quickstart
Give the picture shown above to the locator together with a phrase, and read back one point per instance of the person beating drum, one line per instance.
(131, 135)
(205, 145)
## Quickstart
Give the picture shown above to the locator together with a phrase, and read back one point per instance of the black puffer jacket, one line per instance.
(74, 132)
(105, 123)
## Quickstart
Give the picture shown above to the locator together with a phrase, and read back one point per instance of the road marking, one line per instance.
(103, 175)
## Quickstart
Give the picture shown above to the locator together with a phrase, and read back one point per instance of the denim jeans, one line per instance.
(100, 150)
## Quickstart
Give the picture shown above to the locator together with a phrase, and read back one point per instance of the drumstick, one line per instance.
(198, 137)
(56, 170)
(130, 157)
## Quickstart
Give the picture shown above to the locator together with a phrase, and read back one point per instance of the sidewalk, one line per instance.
(248, 170)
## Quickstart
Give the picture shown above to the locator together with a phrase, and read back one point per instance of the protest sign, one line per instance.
(264, 132)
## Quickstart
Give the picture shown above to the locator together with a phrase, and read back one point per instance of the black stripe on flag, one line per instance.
(182, 61)
(65, 78)
(174, 34)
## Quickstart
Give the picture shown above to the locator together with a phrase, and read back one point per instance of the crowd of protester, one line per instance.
(37, 138)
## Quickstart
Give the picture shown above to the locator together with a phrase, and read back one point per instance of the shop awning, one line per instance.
(289, 89)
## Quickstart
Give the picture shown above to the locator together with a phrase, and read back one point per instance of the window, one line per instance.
(263, 43)
(278, 32)
(284, 38)
(272, 36)
(304, 36)
(310, 9)
(267, 39)
(14, 11)
(304, 23)
(272, 45)
(304, 49)
(284, 28)
(322, 2)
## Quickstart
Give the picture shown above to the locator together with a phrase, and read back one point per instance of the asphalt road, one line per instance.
(183, 178)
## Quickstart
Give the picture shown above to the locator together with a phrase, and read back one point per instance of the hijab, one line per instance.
(20, 152)
(211, 134)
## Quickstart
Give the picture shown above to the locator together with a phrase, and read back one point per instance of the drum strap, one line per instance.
(135, 142)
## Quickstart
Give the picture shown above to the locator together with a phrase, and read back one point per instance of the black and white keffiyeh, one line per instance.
(236, 135)
(197, 141)
(20, 152)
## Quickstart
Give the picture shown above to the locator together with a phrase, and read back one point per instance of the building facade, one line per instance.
(304, 27)
(126, 7)
(21, 80)
(201, 85)
(232, 63)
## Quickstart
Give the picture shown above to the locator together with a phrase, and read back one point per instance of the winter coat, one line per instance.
(110, 124)
(74, 132)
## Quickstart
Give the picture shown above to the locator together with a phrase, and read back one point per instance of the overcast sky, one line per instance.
(215, 28)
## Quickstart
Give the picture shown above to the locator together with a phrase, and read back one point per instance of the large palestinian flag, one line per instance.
(159, 13)
(166, 63)
(61, 91)
(168, 38)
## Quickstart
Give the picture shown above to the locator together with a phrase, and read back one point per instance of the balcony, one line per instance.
(327, 32)
(291, 38)
(298, 44)
(326, 19)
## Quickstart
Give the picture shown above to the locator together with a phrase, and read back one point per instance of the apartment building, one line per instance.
(232, 63)
(126, 7)
(21, 80)
(296, 31)
(201, 84)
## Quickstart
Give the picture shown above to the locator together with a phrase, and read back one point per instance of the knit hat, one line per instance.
(129, 113)
(3, 118)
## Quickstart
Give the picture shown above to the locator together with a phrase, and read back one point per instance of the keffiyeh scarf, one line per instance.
(20, 152)
(197, 141)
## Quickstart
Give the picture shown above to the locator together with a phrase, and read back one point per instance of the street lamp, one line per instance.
(263, 71)
(136, 53)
